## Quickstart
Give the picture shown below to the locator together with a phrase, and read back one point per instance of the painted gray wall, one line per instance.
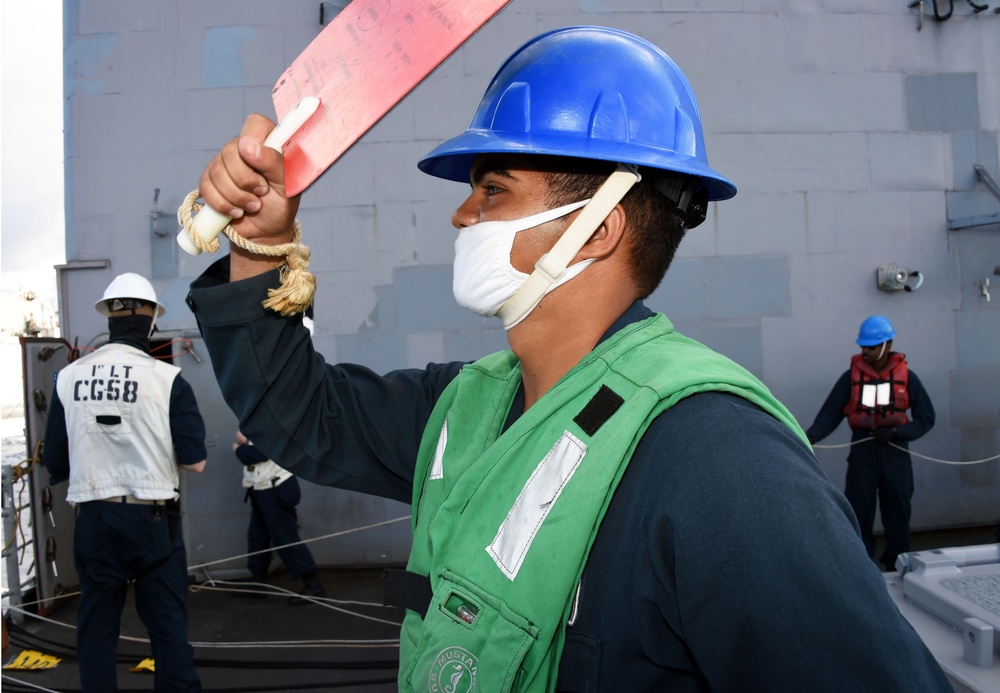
(850, 133)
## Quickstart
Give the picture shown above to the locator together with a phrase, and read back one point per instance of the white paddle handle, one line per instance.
(209, 223)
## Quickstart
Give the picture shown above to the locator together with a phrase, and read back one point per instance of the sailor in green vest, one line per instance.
(608, 505)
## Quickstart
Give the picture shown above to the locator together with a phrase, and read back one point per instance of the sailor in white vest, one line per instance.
(121, 426)
(274, 495)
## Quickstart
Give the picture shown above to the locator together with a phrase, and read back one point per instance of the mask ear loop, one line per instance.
(551, 266)
(881, 351)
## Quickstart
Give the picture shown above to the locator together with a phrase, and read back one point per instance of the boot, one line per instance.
(311, 588)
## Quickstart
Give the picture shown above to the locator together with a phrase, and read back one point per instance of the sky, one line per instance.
(31, 147)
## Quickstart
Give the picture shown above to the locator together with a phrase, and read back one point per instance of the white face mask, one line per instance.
(484, 277)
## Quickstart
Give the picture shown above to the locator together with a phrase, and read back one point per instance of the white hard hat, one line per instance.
(129, 285)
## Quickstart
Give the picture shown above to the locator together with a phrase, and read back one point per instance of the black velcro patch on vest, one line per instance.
(107, 420)
(406, 589)
(599, 409)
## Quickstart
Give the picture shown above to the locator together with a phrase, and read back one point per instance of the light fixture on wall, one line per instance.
(155, 215)
(893, 277)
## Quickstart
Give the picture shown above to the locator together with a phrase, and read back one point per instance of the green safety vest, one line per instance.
(503, 521)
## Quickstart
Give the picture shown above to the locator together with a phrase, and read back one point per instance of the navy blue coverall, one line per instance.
(274, 522)
(116, 543)
(876, 471)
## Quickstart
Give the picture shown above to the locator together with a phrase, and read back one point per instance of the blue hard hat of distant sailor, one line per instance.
(875, 330)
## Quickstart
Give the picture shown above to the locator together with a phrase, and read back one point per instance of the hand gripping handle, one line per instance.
(209, 223)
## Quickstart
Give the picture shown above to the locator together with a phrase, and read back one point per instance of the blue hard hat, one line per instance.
(875, 330)
(588, 92)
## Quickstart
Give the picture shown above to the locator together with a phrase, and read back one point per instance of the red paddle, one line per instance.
(361, 65)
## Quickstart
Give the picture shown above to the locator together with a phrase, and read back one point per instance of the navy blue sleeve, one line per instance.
(758, 539)
(832, 412)
(727, 561)
(922, 414)
(337, 425)
(249, 455)
(186, 425)
(56, 449)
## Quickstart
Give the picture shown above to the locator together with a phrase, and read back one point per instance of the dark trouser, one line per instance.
(890, 481)
(115, 543)
(275, 522)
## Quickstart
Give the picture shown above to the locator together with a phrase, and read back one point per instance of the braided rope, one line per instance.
(907, 450)
(298, 284)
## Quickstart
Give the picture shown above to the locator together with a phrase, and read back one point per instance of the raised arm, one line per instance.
(246, 181)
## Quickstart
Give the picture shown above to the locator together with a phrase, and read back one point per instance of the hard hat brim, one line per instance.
(101, 307)
(452, 160)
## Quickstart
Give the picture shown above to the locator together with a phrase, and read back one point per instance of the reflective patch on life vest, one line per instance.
(868, 396)
(437, 465)
(533, 505)
(876, 395)
(883, 394)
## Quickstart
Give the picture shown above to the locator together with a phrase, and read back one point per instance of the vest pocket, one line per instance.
(108, 420)
(468, 641)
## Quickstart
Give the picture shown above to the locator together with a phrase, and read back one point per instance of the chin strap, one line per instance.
(551, 266)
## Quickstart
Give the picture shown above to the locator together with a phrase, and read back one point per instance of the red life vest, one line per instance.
(878, 398)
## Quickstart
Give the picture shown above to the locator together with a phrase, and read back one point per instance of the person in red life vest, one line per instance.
(874, 395)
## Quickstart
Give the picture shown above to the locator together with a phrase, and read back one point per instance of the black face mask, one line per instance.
(133, 329)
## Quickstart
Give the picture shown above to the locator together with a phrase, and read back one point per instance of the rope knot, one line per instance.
(298, 284)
